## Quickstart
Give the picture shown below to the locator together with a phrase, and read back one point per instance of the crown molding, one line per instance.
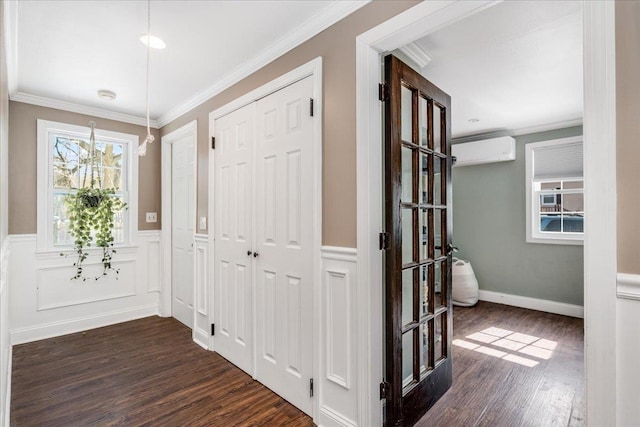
(80, 109)
(328, 16)
(10, 37)
(309, 28)
(416, 54)
(547, 127)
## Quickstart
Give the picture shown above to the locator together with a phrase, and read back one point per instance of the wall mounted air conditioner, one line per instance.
(486, 151)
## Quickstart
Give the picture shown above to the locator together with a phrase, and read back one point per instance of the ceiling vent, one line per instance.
(486, 151)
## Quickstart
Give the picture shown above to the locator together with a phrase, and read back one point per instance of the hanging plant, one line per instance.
(91, 214)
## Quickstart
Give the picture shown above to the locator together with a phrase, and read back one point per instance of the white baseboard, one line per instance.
(329, 417)
(7, 403)
(628, 286)
(24, 335)
(533, 303)
(201, 338)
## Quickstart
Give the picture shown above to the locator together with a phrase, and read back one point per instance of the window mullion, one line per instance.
(65, 162)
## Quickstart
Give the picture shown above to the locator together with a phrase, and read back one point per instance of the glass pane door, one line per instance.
(417, 266)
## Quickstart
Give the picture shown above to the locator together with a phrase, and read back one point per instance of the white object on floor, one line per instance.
(465, 284)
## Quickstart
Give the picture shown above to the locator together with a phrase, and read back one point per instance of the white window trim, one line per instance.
(533, 202)
(44, 185)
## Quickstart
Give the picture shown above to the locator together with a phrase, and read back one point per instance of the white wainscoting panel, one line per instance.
(5, 339)
(148, 259)
(55, 290)
(201, 324)
(45, 302)
(338, 326)
(627, 349)
(153, 260)
(338, 392)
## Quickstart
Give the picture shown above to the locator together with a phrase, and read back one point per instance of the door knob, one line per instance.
(249, 253)
(255, 254)
(451, 249)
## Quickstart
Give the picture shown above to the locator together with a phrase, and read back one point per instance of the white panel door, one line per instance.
(233, 237)
(182, 228)
(284, 238)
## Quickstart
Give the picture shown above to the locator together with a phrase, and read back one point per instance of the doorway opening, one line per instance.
(514, 73)
(419, 22)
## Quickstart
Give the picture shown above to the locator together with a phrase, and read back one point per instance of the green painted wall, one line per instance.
(489, 228)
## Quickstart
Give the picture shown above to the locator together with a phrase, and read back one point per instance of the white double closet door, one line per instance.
(263, 232)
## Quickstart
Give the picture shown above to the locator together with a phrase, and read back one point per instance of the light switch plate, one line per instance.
(152, 217)
(203, 223)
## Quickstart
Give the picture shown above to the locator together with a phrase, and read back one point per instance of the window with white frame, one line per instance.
(555, 191)
(65, 166)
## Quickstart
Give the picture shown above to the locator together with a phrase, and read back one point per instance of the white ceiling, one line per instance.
(515, 65)
(512, 66)
(68, 50)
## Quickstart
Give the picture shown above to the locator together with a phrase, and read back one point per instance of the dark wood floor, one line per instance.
(531, 379)
(146, 372)
(149, 372)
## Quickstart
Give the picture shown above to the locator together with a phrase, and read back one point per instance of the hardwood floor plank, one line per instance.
(150, 373)
(532, 376)
(145, 372)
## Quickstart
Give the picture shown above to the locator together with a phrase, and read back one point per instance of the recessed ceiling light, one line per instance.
(474, 120)
(109, 95)
(153, 41)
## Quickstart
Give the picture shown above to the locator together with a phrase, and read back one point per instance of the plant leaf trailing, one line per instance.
(92, 210)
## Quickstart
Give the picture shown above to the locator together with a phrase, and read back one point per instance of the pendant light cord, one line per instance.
(142, 149)
(92, 150)
(148, 56)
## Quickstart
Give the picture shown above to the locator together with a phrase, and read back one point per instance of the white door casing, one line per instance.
(284, 242)
(182, 228)
(233, 293)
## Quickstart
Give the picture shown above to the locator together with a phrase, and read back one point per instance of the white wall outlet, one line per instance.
(203, 223)
(152, 217)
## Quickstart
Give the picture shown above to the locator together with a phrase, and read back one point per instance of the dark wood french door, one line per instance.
(418, 220)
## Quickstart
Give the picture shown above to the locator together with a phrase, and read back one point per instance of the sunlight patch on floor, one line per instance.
(520, 360)
(509, 346)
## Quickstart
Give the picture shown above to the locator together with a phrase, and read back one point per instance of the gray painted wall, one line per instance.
(489, 228)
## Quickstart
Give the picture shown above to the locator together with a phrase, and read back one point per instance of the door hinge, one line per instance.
(213, 142)
(213, 329)
(311, 387)
(383, 92)
(384, 241)
(385, 388)
(311, 107)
